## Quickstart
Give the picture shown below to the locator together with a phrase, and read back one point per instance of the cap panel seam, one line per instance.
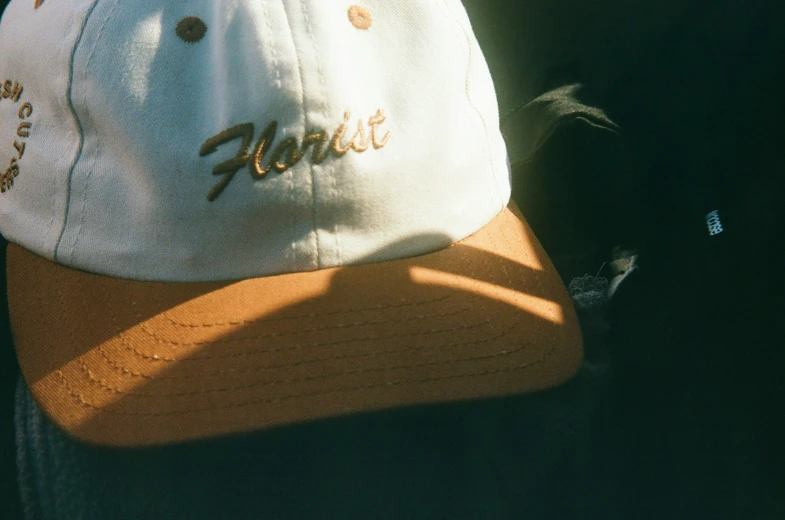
(329, 167)
(70, 101)
(95, 156)
(291, 253)
(314, 229)
(273, 47)
(489, 154)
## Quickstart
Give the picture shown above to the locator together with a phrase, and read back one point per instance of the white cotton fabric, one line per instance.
(112, 181)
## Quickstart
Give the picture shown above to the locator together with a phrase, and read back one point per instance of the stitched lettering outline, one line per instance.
(289, 151)
(13, 90)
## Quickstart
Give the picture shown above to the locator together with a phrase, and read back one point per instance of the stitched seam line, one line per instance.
(284, 382)
(539, 275)
(329, 167)
(333, 358)
(491, 160)
(273, 52)
(70, 99)
(95, 156)
(291, 254)
(248, 354)
(126, 371)
(134, 351)
(107, 387)
(80, 400)
(302, 316)
(311, 166)
(300, 332)
(305, 121)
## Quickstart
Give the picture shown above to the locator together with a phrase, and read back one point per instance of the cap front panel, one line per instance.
(39, 135)
(167, 93)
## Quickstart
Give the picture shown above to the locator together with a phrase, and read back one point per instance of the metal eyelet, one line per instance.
(360, 17)
(191, 29)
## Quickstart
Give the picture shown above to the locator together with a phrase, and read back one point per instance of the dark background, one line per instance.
(696, 89)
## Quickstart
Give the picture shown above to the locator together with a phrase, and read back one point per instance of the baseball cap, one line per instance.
(231, 216)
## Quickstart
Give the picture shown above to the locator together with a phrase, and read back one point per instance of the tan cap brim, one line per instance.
(129, 363)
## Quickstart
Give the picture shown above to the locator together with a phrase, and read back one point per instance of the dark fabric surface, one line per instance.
(505, 459)
(9, 374)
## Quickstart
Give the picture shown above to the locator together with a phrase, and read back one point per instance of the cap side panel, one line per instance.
(464, 41)
(481, 94)
(38, 128)
(75, 208)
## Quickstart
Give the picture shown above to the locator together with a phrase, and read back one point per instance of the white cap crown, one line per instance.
(213, 140)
